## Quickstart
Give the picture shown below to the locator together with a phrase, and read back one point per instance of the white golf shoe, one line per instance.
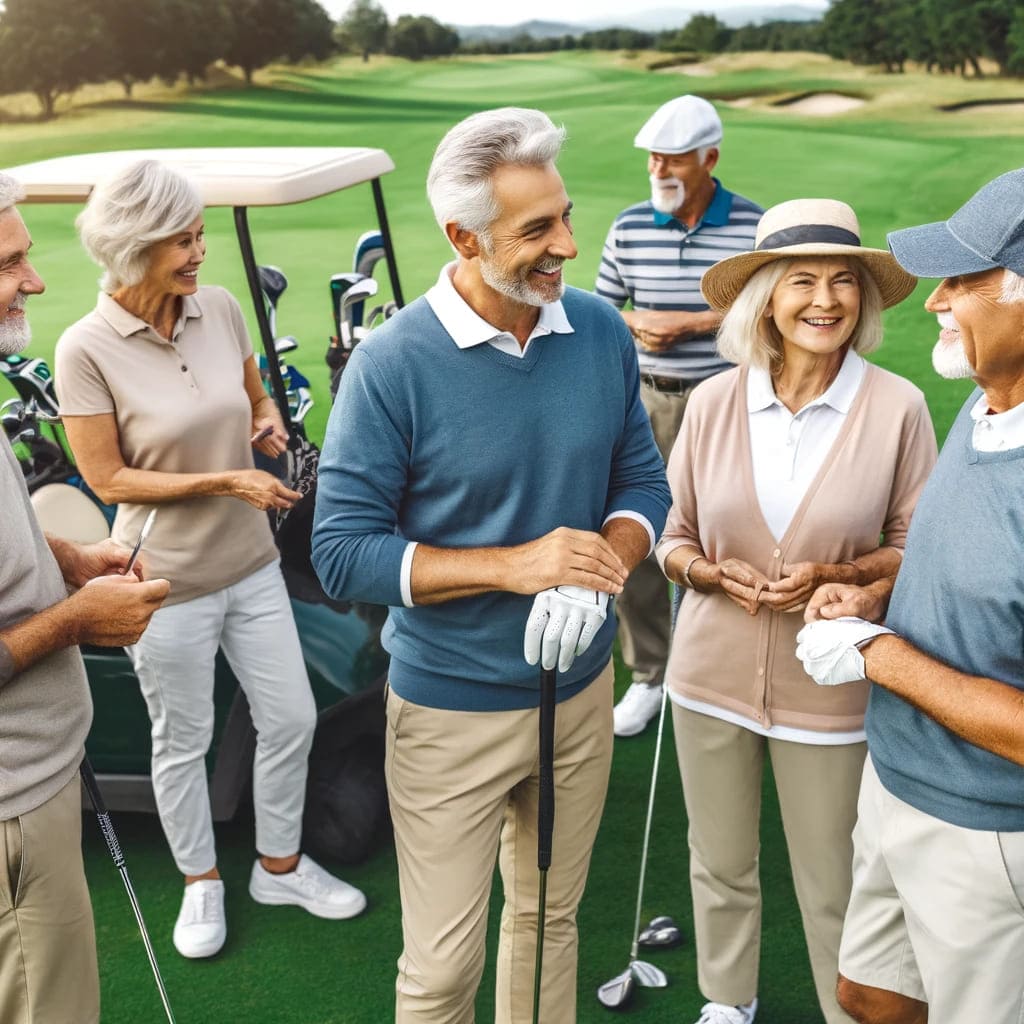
(201, 927)
(639, 704)
(719, 1013)
(309, 887)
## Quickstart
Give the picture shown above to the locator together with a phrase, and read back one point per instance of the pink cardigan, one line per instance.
(866, 487)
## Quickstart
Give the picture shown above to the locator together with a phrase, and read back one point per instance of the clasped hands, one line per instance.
(750, 589)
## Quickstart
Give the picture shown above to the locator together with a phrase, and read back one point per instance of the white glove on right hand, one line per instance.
(828, 649)
(562, 624)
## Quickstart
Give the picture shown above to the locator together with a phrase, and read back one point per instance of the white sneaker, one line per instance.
(201, 927)
(309, 887)
(639, 704)
(719, 1013)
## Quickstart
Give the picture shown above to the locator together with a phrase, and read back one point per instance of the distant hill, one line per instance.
(653, 20)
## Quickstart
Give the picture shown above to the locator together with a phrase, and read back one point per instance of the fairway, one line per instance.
(898, 160)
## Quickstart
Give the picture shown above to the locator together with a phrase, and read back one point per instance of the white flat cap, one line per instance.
(682, 124)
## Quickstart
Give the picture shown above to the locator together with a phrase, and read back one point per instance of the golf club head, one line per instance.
(647, 975)
(660, 933)
(340, 284)
(353, 303)
(617, 993)
(369, 251)
(273, 282)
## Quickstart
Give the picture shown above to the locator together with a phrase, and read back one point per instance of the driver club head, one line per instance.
(273, 282)
(660, 933)
(647, 975)
(617, 993)
(369, 251)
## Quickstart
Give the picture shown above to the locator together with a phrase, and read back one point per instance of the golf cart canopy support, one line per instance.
(238, 177)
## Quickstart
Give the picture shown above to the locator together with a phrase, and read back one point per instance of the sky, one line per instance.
(472, 12)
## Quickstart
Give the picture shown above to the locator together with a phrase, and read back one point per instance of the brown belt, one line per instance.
(668, 385)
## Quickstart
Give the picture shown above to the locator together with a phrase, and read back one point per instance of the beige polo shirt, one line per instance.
(181, 407)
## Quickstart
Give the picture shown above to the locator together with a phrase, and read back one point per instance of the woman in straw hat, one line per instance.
(787, 471)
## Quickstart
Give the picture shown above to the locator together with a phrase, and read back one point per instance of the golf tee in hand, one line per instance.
(562, 623)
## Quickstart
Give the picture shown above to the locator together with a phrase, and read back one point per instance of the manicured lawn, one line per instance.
(897, 160)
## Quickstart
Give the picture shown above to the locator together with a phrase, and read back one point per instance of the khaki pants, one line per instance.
(644, 607)
(721, 766)
(463, 788)
(937, 911)
(48, 972)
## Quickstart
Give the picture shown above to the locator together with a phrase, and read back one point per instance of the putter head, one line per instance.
(660, 933)
(647, 975)
(617, 993)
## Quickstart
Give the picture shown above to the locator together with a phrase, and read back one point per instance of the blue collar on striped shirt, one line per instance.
(715, 216)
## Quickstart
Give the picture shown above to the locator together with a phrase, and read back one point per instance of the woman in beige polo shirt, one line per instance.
(786, 473)
(162, 402)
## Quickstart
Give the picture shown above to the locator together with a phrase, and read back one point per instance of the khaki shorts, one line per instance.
(937, 911)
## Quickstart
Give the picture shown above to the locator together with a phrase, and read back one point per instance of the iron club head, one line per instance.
(647, 975)
(617, 993)
(660, 933)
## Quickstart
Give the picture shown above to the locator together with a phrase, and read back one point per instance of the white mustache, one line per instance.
(947, 321)
(19, 301)
(546, 266)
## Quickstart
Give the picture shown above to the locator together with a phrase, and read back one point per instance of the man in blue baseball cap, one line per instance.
(935, 925)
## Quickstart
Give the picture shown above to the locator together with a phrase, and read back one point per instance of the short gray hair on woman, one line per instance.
(1013, 287)
(748, 337)
(129, 212)
(459, 181)
(11, 192)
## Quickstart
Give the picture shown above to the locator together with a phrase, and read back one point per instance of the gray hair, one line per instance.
(750, 338)
(459, 180)
(129, 212)
(1013, 287)
(11, 193)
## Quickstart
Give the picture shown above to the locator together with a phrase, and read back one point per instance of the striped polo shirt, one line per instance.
(656, 262)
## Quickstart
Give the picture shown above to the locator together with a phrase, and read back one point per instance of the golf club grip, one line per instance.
(102, 815)
(546, 794)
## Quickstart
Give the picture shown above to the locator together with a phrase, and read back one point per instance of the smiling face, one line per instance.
(531, 238)
(816, 305)
(18, 280)
(174, 262)
(978, 333)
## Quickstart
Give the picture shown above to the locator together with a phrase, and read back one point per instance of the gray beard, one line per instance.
(515, 288)
(950, 361)
(14, 338)
(667, 201)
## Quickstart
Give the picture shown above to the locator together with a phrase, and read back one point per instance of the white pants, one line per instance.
(174, 661)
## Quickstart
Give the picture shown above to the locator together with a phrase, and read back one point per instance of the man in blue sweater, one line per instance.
(935, 926)
(490, 473)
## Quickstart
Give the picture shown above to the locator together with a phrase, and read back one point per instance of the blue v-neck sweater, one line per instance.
(959, 597)
(464, 448)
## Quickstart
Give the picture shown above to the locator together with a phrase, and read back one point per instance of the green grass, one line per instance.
(897, 160)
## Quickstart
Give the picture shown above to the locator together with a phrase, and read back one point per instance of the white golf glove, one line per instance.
(828, 649)
(562, 623)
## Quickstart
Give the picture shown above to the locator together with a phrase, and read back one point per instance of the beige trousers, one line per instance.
(463, 789)
(48, 971)
(644, 607)
(721, 766)
(937, 911)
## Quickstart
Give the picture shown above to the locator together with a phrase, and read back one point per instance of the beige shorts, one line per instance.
(937, 911)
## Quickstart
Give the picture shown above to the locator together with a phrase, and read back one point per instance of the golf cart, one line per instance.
(340, 641)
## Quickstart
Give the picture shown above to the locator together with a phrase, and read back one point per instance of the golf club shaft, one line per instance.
(107, 828)
(647, 827)
(545, 817)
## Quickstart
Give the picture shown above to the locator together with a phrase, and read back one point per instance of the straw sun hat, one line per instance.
(806, 227)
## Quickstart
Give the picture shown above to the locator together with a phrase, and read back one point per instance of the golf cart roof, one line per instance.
(231, 176)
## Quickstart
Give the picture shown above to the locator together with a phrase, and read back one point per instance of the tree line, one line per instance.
(51, 47)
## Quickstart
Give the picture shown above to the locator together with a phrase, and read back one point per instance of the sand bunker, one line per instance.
(822, 104)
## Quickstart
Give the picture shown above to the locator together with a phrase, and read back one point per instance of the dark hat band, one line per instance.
(805, 233)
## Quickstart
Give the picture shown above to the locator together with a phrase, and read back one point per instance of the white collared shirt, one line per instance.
(467, 329)
(996, 431)
(788, 448)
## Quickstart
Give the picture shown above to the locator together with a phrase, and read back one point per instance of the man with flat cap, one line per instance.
(653, 260)
(935, 926)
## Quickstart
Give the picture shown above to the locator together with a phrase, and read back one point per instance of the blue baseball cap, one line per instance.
(985, 233)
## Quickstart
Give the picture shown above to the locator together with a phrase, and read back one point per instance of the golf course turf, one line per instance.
(898, 160)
